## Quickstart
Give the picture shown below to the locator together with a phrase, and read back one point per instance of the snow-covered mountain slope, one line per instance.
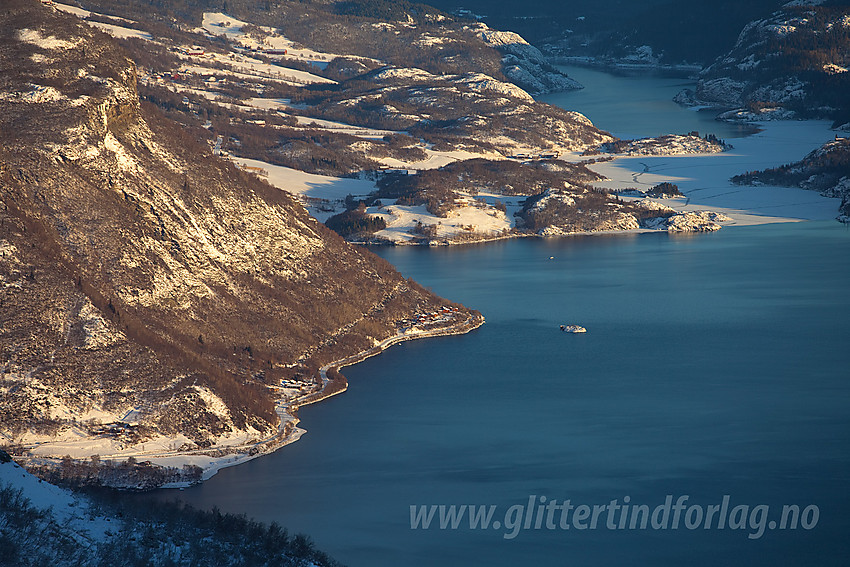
(49, 507)
(155, 296)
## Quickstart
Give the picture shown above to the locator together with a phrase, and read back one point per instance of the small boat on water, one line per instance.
(573, 329)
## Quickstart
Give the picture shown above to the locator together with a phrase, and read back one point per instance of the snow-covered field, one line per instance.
(112, 29)
(437, 159)
(247, 71)
(248, 66)
(122, 32)
(311, 185)
(704, 179)
(324, 196)
(468, 219)
(339, 127)
(216, 23)
(242, 65)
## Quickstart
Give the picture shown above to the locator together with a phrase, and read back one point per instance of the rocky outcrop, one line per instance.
(524, 64)
(697, 221)
(559, 212)
(569, 211)
(666, 145)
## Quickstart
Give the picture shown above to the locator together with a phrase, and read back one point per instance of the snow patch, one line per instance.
(72, 514)
(482, 83)
(79, 12)
(502, 38)
(8, 251)
(125, 161)
(39, 94)
(781, 30)
(212, 402)
(217, 23)
(34, 37)
(97, 332)
(408, 73)
(121, 32)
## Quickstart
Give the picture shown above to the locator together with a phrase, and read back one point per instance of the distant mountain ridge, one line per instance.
(794, 60)
(674, 32)
(407, 34)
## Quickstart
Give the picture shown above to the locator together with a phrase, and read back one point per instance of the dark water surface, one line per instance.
(713, 365)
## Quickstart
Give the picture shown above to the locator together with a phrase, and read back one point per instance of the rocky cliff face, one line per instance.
(149, 290)
(525, 65)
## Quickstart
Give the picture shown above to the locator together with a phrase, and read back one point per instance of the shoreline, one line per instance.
(332, 387)
(225, 456)
(677, 70)
(704, 179)
(447, 243)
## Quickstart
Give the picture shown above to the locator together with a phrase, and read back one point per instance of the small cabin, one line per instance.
(255, 170)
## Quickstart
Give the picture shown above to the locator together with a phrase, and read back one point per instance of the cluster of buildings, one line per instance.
(430, 317)
(554, 154)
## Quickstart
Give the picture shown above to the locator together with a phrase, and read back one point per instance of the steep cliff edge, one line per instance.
(151, 293)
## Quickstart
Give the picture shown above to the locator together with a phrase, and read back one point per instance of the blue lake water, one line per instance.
(639, 104)
(713, 365)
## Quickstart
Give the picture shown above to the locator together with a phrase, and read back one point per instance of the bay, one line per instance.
(714, 365)
(639, 104)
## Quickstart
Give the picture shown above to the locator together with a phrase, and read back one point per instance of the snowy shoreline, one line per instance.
(703, 178)
(218, 457)
(330, 388)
